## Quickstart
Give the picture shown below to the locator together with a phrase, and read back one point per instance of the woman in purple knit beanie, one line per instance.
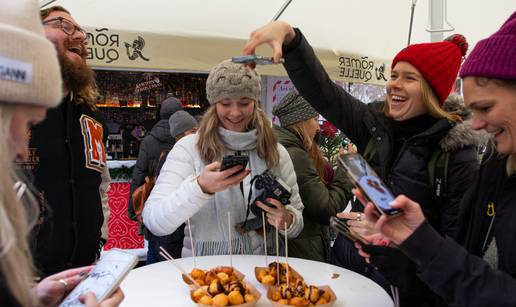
(479, 270)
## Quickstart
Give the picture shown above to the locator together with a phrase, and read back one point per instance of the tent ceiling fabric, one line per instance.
(194, 35)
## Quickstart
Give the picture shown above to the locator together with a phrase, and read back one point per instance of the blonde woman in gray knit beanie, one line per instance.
(191, 185)
(30, 82)
(322, 198)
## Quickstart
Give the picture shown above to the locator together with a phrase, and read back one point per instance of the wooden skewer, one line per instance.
(265, 237)
(277, 257)
(163, 252)
(192, 244)
(286, 252)
(230, 243)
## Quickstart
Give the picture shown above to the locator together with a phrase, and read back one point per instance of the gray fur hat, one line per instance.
(293, 108)
(180, 122)
(169, 106)
(231, 80)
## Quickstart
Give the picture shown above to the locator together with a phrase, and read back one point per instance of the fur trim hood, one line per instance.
(461, 134)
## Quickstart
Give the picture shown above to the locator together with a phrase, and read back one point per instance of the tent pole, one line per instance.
(281, 10)
(412, 8)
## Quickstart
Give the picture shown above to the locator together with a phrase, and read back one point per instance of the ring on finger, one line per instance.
(64, 283)
(359, 217)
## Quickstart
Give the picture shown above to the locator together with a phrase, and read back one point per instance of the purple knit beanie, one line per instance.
(495, 56)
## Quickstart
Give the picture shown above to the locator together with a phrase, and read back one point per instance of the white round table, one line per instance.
(160, 284)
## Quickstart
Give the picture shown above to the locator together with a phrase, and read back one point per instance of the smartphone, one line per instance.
(231, 160)
(104, 278)
(252, 58)
(368, 181)
(342, 227)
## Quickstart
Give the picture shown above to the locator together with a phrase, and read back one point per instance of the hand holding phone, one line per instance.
(341, 227)
(104, 278)
(365, 178)
(256, 59)
(231, 160)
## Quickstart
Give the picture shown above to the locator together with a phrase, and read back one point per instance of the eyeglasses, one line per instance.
(67, 26)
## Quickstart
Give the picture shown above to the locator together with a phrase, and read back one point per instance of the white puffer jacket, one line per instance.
(177, 197)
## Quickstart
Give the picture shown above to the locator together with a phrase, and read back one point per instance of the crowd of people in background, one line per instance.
(450, 162)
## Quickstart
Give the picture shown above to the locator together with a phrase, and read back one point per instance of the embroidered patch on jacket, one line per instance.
(94, 150)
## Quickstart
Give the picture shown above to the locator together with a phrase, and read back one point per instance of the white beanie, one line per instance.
(29, 69)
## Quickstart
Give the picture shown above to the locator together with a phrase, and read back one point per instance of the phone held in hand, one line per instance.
(365, 178)
(257, 59)
(232, 160)
(343, 228)
(104, 278)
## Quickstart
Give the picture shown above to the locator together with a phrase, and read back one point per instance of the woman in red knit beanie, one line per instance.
(482, 271)
(402, 137)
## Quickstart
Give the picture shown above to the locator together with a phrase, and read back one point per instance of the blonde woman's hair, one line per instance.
(16, 263)
(212, 149)
(431, 102)
(301, 128)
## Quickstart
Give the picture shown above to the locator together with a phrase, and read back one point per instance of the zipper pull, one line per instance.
(490, 209)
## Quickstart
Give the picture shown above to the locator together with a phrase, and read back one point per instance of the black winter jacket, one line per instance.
(407, 172)
(157, 141)
(67, 161)
(457, 273)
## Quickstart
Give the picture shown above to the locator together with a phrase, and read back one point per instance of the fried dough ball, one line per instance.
(206, 300)
(326, 295)
(276, 295)
(283, 302)
(225, 269)
(197, 274)
(223, 277)
(216, 287)
(235, 298)
(268, 280)
(312, 294)
(321, 301)
(299, 301)
(197, 294)
(261, 273)
(220, 300)
(210, 276)
(249, 298)
(200, 282)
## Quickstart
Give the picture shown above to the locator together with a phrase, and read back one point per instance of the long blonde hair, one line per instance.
(16, 262)
(211, 148)
(432, 104)
(301, 128)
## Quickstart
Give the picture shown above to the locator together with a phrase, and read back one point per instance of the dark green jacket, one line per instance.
(321, 202)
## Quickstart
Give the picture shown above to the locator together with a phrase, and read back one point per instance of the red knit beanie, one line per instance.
(439, 62)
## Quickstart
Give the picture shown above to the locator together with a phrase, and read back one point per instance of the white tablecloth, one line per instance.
(160, 284)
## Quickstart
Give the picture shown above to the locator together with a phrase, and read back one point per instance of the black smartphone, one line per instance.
(342, 227)
(253, 58)
(368, 182)
(231, 160)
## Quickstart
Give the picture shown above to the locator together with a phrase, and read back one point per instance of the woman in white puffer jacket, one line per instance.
(191, 185)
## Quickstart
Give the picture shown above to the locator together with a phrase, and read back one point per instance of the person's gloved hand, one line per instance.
(397, 268)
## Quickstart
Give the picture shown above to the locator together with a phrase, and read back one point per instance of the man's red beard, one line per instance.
(77, 76)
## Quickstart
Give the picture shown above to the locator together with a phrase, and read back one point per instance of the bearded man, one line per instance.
(68, 160)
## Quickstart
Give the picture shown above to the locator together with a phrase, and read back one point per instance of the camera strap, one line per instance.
(249, 197)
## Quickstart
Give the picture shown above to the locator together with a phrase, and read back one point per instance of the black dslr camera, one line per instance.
(271, 187)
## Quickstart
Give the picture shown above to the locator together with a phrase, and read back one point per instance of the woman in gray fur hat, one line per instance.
(192, 186)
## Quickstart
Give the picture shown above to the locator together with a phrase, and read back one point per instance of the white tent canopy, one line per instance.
(194, 35)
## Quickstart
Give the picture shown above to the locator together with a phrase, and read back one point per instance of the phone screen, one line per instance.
(104, 278)
(369, 182)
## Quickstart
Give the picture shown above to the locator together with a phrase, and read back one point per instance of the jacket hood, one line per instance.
(461, 134)
(161, 131)
(288, 138)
